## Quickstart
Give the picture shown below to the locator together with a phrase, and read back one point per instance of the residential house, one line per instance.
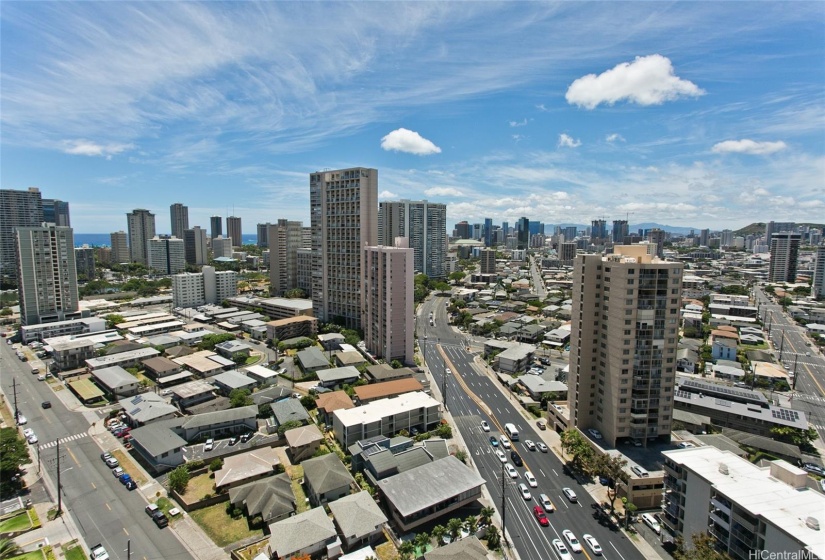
(303, 442)
(468, 548)
(367, 393)
(232, 421)
(326, 479)
(271, 498)
(385, 372)
(386, 417)
(72, 354)
(146, 408)
(359, 519)
(116, 381)
(516, 358)
(228, 381)
(312, 359)
(306, 534)
(192, 393)
(327, 403)
(331, 341)
(686, 360)
(246, 467)
(335, 377)
(723, 344)
(233, 349)
(350, 358)
(287, 410)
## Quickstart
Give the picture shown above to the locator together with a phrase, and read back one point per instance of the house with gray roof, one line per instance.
(331, 341)
(333, 377)
(537, 386)
(116, 381)
(516, 358)
(430, 492)
(326, 478)
(209, 424)
(270, 395)
(309, 533)
(385, 372)
(228, 381)
(359, 519)
(271, 498)
(232, 348)
(468, 548)
(146, 408)
(303, 442)
(287, 410)
(312, 359)
(159, 444)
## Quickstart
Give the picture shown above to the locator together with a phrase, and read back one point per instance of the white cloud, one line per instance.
(443, 191)
(403, 140)
(88, 148)
(566, 141)
(518, 123)
(387, 194)
(518, 137)
(541, 107)
(648, 80)
(615, 137)
(746, 146)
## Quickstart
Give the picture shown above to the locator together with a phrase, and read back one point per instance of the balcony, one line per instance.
(720, 503)
(719, 519)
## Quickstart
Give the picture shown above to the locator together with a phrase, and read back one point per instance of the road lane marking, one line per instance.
(108, 506)
(125, 531)
(542, 473)
(69, 451)
(554, 472)
(616, 549)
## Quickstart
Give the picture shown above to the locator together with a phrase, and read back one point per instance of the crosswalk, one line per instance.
(66, 439)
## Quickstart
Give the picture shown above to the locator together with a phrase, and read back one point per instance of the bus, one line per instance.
(511, 431)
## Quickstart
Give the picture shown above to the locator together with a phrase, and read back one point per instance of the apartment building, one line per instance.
(285, 239)
(388, 316)
(784, 256)
(194, 246)
(344, 219)
(84, 258)
(179, 218)
(56, 212)
(167, 255)
(47, 274)
(192, 289)
(488, 261)
(303, 264)
(748, 510)
(141, 226)
(424, 224)
(623, 343)
(386, 417)
(818, 286)
(215, 227)
(120, 247)
(222, 247)
(234, 231)
(18, 209)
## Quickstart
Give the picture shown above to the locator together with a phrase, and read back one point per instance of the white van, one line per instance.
(651, 522)
(640, 471)
(511, 431)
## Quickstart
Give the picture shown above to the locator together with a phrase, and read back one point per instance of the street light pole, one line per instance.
(782, 346)
(59, 497)
(503, 507)
(795, 372)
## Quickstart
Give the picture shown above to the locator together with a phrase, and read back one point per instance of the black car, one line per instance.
(46, 404)
(131, 485)
(246, 437)
(516, 459)
(160, 519)
(233, 440)
(813, 468)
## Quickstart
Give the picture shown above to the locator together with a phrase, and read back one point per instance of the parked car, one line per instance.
(116, 472)
(97, 552)
(21, 420)
(541, 424)
(160, 519)
(246, 437)
(151, 509)
(571, 539)
(593, 544)
(233, 440)
(541, 517)
(125, 478)
(111, 462)
(131, 485)
(595, 433)
(651, 522)
(209, 445)
(684, 445)
(813, 468)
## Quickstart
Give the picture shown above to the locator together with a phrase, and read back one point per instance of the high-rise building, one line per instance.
(47, 274)
(17, 209)
(192, 289)
(56, 212)
(222, 247)
(598, 232)
(488, 261)
(263, 235)
(818, 286)
(285, 238)
(778, 227)
(179, 216)
(657, 236)
(704, 237)
(194, 246)
(523, 233)
(388, 317)
(233, 230)
(303, 260)
(141, 225)
(623, 355)
(462, 230)
(505, 226)
(784, 256)
(424, 224)
(215, 227)
(344, 219)
(726, 238)
(488, 232)
(167, 254)
(570, 233)
(747, 510)
(120, 247)
(620, 230)
(567, 253)
(84, 258)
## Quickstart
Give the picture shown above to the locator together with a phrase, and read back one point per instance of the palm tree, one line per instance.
(454, 526)
(471, 524)
(438, 533)
(486, 515)
(406, 551)
(9, 549)
(422, 540)
(493, 537)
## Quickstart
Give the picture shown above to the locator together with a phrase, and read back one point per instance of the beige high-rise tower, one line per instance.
(344, 219)
(284, 239)
(625, 328)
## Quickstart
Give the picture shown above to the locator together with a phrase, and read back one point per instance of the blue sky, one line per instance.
(702, 114)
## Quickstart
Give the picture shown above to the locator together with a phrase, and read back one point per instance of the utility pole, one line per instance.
(503, 507)
(14, 392)
(795, 372)
(444, 387)
(59, 498)
(782, 346)
(128, 549)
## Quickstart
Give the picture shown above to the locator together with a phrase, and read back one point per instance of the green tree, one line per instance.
(179, 479)
(471, 524)
(461, 456)
(457, 276)
(629, 509)
(240, 397)
(583, 455)
(406, 551)
(795, 436)
(113, 319)
(439, 532)
(5, 312)
(13, 453)
(211, 340)
(485, 516)
(785, 302)
(493, 537)
(309, 402)
(396, 364)
(444, 431)
(612, 468)
(288, 425)
(704, 548)
(9, 549)
(216, 464)
(422, 541)
(454, 527)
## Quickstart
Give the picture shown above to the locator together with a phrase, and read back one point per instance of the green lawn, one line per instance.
(75, 553)
(222, 529)
(19, 522)
(33, 555)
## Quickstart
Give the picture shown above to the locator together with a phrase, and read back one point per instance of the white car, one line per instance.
(546, 503)
(593, 544)
(571, 539)
(595, 433)
(651, 522)
(505, 442)
(542, 447)
(531, 480)
(28, 432)
(528, 443)
(209, 445)
(21, 420)
(561, 550)
(485, 426)
(525, 492)
(684, 445)
(501, 456)
(570, 494)
(98, 553)
(511, 470)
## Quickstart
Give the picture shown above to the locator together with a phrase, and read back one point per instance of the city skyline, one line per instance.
(692, 115)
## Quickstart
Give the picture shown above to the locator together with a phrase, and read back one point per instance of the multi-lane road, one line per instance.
(101, 507)
(471, 396)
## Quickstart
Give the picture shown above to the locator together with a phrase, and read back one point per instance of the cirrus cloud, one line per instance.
(409, 141)
(82, 147)
(648, 80)
(746, 146)
(566, 141)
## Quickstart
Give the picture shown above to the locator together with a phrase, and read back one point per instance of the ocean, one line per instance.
(105, 240)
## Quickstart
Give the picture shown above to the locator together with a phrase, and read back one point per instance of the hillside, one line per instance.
(758, 228)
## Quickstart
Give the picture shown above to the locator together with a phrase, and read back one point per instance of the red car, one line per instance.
(540, 516)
